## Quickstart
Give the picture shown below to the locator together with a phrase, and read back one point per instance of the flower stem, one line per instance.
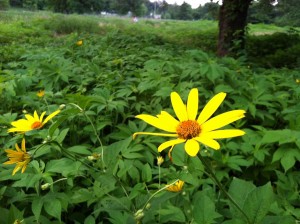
(95, 132)
(165, 187)
(215, 179)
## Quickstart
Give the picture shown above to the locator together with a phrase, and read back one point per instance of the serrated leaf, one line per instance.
(53, 208)
(171, 213)
(255, 207)
(36, 207)
(204, 210)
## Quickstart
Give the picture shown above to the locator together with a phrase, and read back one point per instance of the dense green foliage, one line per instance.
(122, 70)
(284, 13)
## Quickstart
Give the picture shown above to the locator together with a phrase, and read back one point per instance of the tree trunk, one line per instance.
(232, 24)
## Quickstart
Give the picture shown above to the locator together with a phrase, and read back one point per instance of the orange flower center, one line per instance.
(188, 129)
(36, 125)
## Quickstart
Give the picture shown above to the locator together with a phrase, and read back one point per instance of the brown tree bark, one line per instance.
(232, 25)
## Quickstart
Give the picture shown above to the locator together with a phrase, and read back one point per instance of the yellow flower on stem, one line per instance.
(160, 160)
(189, 128)
(40, 93)
(79, 43)
(31, 122)
(19, 157)
(176, 187)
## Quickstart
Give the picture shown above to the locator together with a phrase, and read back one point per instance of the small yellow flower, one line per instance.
(298, 81)
(41, 93)
(191, 130)
(160, 160)
(79, 43)
(176, 187)
(18, 156)
(31, 122)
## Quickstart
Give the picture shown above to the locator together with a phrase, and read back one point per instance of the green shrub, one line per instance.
(276, 50)
(62, 24)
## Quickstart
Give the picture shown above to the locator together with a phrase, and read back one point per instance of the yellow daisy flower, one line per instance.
(18, 156)
(176, 187)
(79, 43)
(31, 122)
(40, 93)
(188, 128)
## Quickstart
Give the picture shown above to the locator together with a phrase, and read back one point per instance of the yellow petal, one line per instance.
(28, 118)
(170, 143)
(25, 165)
(151, 133)
(211, 107)
(42, 116)
(191, 147)
(179, 107)
(23, 145)
(21, 125)
(156, 122)
(192, 104)
(222, 120)
(9, 151)
(17, 147)
(36, 116)
(51, 116)
(168, 121)
(219, 134)
(10, 162)
(16, 169)
(208, 142)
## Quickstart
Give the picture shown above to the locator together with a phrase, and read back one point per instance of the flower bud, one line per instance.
(160, 160)
(62, 106)
(139, 214)
(45, 186)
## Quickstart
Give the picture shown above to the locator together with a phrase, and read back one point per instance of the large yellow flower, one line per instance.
(18, 156)
(188, 128)
(31, 122)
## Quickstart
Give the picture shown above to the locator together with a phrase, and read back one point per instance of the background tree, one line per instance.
(262, 11)
(4, 4)
(232, 24)
(288, 13)
(15, 3)
(209, 11)
(185, 11)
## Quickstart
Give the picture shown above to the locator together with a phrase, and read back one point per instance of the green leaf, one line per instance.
(238, 190)
(79, 149)
(60, 120)
(171, 213)
(249, 198)
(258, 203)
(146, 173)
(53, 207)
(90, 220)
(204, 211)
(112, 151)
(62, 135)
(36, 207)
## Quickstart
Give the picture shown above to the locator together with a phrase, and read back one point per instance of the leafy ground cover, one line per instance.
(85, 167)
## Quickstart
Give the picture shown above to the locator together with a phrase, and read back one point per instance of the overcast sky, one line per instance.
(193, 3)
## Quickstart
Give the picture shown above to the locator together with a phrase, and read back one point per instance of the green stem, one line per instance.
(215, 179)
(149, 199)
(95, 132)
(71, 155)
